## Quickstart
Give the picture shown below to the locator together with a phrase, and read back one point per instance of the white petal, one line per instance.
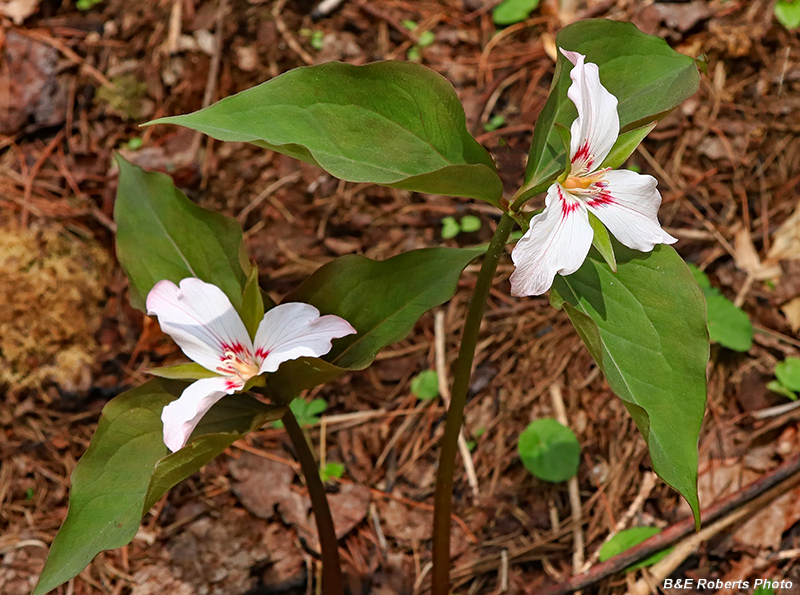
(182, 415)
(201, 320)
(557, 242)
(628, 207)
(296, 330)
(596, 128)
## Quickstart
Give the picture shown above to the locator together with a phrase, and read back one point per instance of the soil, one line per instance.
(76, 84)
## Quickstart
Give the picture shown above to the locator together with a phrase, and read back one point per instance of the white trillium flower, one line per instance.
(626, 202)
(202, 321)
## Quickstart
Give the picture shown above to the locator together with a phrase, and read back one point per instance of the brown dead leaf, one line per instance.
(223, 551)
(156, 579)
(265, 486)
(720, 479)
(35, 96)
(18, 10)
(740, 570)
(411, 526)
(682, 17)
(786, 241)
(349, 507)
(791, 310)
(747, 258)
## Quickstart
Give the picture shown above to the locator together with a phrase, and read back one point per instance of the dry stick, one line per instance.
(788, 472)
(213, 69)
(572, 487)
(175, 26)
(266, 194)
(444, 390)
(688, 546)
(31, 177)
(44, 37)
(287, 35)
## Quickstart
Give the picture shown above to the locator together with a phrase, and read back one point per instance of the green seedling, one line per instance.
(330, 470)
(425, 385)
(625, 540)
(549, 450)
(728, 324)
(787, 378)
(451, 228)
(306, 412)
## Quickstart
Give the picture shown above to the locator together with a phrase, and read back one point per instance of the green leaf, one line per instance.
(625, 540)
(602, 241)
(788, 373)
(509, 12)
(409, 285)
(295, 376)
(470, 223)
(495, 123)
(389, 123)
(549, 450)
(307, 413)
(190, 371)
(700, 277)
(788, 13)
(227, 421)
(647, 77)
(625, 146)
(776, 387)
(426, 38)
(252, 309)
(450, 228)
(728, 324)
(425, 385)
(127, 468)
(317, 40)
(161, 234)
(566, 137)
(645, 326)
(331, 470)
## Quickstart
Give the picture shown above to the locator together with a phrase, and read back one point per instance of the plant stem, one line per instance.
(524, 194)
(332, 583)
(455, 414)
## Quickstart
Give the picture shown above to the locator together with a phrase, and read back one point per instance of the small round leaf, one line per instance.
(549, 450)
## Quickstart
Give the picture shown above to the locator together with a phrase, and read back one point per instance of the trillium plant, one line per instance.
(597, 247)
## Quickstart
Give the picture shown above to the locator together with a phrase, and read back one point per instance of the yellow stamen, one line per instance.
(583, 182)
(245, 369)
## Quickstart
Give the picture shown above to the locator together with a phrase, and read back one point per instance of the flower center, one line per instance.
(589, 183)
(241, 365)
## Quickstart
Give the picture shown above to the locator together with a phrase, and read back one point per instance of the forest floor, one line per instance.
(75, 85)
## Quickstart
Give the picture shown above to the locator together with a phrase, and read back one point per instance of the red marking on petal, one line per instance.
(231, 385)
(602, 199)
(262, 353)
(567, 206)
(236, 348)
(582, 154)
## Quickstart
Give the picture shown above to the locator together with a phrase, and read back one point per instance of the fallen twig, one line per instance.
(572, 487)
(788, 474)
